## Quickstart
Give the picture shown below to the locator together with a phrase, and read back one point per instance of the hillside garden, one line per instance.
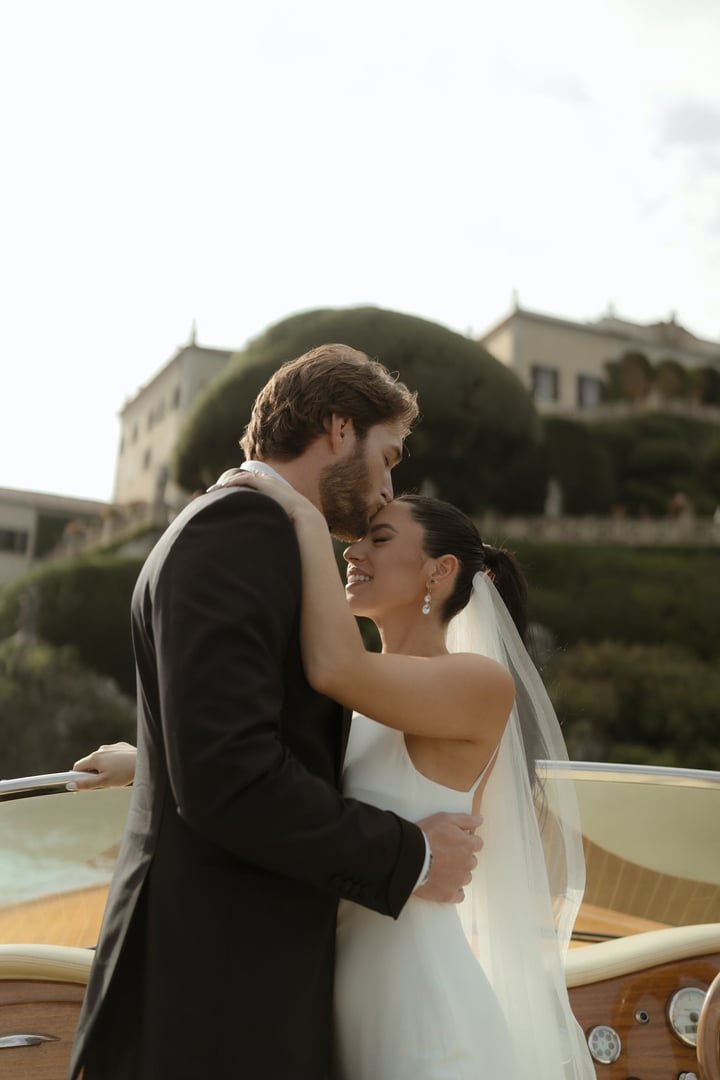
(628, 641)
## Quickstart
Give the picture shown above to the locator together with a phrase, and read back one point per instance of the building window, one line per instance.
(135, 433)
(147, 458)
(14, 540)
(176, 398)
(589, 391)
(545, 382)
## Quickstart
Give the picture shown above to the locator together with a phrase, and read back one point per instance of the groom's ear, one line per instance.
(341, 431)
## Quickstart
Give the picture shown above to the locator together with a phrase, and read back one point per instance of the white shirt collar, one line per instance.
(263, 467)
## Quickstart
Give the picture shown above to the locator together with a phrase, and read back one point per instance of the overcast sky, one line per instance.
(234, 162)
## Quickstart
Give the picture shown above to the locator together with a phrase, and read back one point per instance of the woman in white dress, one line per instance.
(447, 992)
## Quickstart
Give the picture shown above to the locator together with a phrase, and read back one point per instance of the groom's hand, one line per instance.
(454, 847)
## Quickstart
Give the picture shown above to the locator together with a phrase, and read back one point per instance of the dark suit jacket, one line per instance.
(215, 958)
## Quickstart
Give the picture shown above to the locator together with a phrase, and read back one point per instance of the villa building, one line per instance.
(33, 522)
(563, 363)
(150, 423)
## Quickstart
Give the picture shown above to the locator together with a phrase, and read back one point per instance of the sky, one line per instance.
(230, 163)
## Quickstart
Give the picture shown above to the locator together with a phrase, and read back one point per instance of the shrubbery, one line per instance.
(656, 456)
(646, 704)
(651, 596)
(571, 453)
(84, 602)
(53, 709)
(633, 666)
(636, 464)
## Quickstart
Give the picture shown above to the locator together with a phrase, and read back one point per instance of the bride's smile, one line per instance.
(388, 569)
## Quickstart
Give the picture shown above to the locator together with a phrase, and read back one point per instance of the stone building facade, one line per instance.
(150, 423)
(563, 363)
(32, 523)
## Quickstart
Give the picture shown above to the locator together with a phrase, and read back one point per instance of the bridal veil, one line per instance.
(520, 908)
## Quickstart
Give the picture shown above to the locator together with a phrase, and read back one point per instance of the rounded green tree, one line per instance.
(477, 418)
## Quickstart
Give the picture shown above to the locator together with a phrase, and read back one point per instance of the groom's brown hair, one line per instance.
(292, 409)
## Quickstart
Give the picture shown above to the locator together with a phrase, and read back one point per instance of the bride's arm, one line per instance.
(460, 696)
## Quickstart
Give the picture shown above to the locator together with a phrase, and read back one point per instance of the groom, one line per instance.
(215, 958)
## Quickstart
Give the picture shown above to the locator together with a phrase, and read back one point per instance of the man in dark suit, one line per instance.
(215, 958)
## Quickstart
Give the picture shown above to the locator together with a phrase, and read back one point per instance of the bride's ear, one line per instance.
(445, 568)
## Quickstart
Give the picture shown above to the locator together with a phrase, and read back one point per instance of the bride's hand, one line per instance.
(280, 490)
(111, 765)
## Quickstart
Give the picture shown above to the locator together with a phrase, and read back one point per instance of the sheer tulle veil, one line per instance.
(519, 910)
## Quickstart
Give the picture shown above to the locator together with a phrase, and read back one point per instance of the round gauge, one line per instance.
(683, 1013)
(604, 1044)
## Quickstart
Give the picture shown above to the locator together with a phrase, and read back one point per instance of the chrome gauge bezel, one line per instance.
(673, 1004)
(612, 1052)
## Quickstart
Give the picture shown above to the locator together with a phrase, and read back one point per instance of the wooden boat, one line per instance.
(643, 975)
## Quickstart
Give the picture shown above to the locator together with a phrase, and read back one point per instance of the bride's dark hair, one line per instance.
(448, 531)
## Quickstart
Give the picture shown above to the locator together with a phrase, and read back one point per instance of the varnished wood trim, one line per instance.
(29, 1007)
(649, 1050)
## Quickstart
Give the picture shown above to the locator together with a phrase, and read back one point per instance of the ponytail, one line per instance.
(509, 580)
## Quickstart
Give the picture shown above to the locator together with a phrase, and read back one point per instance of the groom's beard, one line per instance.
(344, 496)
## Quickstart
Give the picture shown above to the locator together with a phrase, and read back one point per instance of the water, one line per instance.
(55, 843)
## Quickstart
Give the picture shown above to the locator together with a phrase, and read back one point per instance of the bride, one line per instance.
(446, 992)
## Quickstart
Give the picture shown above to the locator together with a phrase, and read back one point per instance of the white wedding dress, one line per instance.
(411, 1000)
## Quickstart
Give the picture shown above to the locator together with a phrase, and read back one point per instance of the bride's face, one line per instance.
(388, 570)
